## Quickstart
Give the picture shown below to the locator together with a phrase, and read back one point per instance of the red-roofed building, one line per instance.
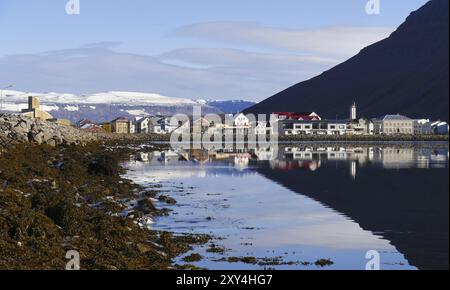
(305, 116)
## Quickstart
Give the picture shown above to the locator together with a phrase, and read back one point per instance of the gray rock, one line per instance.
(16, 129)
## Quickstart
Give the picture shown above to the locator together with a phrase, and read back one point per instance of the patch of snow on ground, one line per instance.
(49, 108)
(71, 108)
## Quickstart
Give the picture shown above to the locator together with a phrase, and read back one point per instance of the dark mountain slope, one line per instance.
(407, 73)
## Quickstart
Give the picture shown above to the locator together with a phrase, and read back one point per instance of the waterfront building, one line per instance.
(362, 126)
(440, 128)
(315, 127)
(142, 125)
(394, 125)
(89, 126)
(422, 127)
(120, 125)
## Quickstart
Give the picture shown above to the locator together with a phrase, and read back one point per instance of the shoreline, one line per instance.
(111, 137)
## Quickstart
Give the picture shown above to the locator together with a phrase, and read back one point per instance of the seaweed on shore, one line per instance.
(53, 200)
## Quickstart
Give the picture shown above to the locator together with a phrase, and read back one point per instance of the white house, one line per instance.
(241, 125)
(155, 125)
(241, 121)
(440, 128)
(422, 127)
(142, 125)
(299, 127)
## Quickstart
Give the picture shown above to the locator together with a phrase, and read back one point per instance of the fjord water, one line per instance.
(304, 202)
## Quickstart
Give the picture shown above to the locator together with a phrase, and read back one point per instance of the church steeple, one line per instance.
(353, 112)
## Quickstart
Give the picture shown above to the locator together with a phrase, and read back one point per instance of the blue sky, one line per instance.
(196, 49)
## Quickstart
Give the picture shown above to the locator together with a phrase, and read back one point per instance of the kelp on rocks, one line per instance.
(54, 200)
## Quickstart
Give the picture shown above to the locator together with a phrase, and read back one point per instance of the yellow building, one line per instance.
(120, 126)
(107, 127)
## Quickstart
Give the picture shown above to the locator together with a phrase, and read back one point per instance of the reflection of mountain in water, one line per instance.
(408, 207)
(399, 193)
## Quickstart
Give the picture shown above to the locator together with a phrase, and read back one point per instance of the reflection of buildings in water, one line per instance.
(327, 153)
(285, 165)
(397, 158)
(238, 155)
(167, 156)
(156, 156)
(289, 157)
(423, 162)
(388, 157)
(414, 158)
(242, 161)
(199, 155)
(143, 157)
(353, 166)
(266, 154)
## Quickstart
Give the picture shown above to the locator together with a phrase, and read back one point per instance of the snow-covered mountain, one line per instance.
(131, 98)
(103, 107)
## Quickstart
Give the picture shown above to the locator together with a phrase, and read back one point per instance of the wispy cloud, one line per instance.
(291, 55)
(89, 70)
(226, 73)
(342, 41)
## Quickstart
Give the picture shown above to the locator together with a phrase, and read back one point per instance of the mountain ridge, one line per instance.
(406, 73)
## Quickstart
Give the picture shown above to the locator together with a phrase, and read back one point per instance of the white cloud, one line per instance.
(343, 41)
(291, 55)
(231, 74)
(232, 57)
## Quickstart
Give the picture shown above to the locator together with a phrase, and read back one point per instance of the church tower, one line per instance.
(353, 112)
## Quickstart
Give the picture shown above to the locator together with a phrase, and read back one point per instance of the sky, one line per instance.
(197, 49)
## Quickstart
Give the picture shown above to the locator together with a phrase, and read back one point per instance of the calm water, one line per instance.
(303, 203)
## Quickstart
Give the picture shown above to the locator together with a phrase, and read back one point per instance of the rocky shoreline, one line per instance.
(66, 198)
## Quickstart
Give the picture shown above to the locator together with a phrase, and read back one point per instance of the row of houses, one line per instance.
(313, 124)
(139, 125)
(281, 123)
